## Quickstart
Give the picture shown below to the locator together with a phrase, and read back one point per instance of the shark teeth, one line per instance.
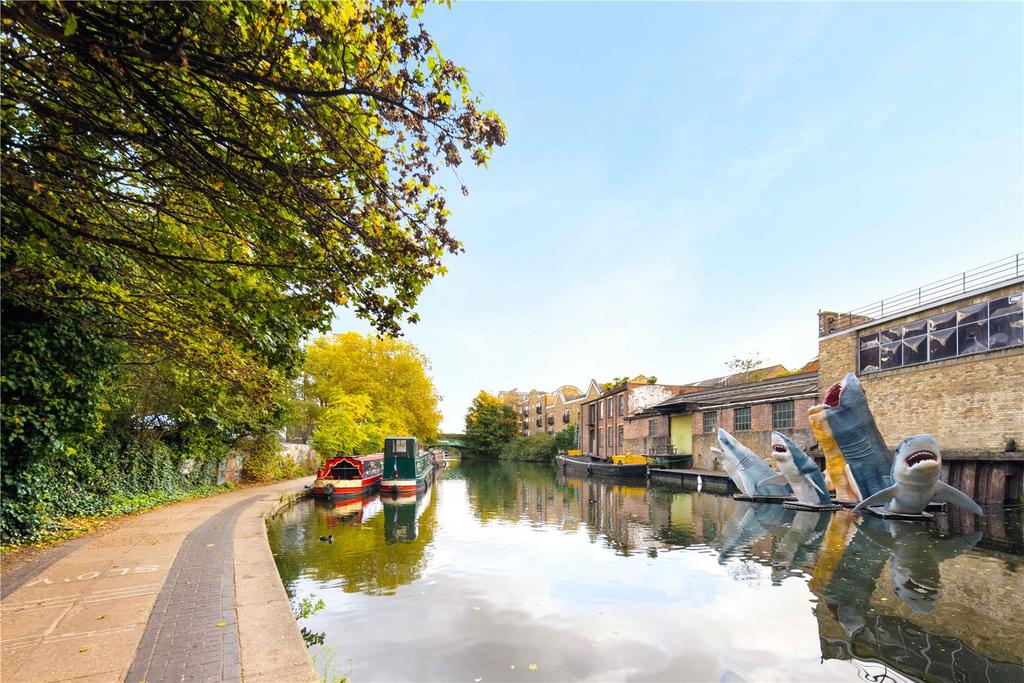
(919, 457)
(834, 393)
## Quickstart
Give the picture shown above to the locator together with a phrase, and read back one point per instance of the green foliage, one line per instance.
(536, 447)
(565, 440)
(263, 461)
(358, 389)
(490, 424)
(189, 189)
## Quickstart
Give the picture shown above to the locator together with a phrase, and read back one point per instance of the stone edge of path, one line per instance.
(270, 643)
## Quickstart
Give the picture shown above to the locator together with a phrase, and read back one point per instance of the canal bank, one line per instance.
(189, 590)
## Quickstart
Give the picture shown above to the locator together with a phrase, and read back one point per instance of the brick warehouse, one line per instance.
(949, 361)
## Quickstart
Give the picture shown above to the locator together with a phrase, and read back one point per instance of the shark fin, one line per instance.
(778, 478)
(955, 496)
(883, 496)
(813, 483)
(853, 482)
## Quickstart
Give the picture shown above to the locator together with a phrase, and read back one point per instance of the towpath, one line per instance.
(186, 592)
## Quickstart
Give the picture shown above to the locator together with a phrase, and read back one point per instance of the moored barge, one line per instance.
(406, 468)
(590, 466)
(349, 475)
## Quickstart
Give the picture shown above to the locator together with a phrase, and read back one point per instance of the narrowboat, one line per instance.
(590, 466)
(406, 468)
(349, 475)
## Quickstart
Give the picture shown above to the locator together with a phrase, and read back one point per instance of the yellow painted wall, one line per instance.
(681, 429)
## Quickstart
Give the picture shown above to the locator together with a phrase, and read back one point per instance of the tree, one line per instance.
(490, 423)
(350, 425)
(375, 386)
(745, 364)
(193, 187)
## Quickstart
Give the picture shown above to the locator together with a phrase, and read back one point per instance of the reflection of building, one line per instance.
(948, 360)
(926, 606)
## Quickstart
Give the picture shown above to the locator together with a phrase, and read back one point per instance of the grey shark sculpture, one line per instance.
(799, 471)
(854, 430)
(750, 468)
(915, 471)
(732, 469)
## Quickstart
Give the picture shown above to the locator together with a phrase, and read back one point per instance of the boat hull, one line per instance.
(592, 467)
(346, 488)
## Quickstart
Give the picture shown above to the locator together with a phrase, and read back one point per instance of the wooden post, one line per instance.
(966, 478)
(981, 482)
(997, 483)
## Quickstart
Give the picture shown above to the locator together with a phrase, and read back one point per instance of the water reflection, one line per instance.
(595, 579)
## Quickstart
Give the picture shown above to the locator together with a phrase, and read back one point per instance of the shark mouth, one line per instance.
(834, 394)
(778, 449)
(919, 457)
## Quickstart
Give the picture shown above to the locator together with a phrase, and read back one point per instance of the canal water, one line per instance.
(512, 572)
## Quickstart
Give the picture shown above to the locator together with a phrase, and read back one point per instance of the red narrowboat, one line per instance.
(349, 475)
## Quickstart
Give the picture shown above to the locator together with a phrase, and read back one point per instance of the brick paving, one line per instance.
(192, 632)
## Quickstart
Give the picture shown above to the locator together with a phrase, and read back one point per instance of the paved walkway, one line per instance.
(186, 592)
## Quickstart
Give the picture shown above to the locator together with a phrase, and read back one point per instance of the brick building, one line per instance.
(604, 414)
(545, 412)
(948, 360)
(751, 411)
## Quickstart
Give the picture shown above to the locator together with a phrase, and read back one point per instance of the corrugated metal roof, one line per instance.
(804, 385)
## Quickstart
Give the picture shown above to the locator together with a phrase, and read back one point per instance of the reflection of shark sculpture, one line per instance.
(748, 523)
(849, 424)
(915, 471)
(915, 556)
(798, 470)
(798, 543)
(750, 468)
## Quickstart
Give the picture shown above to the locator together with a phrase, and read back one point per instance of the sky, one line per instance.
(687, 183)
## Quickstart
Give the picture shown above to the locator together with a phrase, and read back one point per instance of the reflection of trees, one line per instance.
(620, 514)
(360, 559)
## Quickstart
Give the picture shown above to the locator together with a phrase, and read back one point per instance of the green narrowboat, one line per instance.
(406, 469)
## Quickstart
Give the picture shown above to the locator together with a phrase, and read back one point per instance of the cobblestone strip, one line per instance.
(192, 632)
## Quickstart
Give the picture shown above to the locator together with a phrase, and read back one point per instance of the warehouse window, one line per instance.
(782, 415)
(741, 419)
(620, 437)
(988, 326)
(600, 410)
(622, 404)
(710, 421)
(611, 437)
(652, 427)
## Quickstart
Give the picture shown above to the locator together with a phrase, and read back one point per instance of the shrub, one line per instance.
(536, 447)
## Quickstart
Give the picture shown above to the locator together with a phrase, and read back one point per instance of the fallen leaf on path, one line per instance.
(220, 623)
(533, 667)
(83, 649)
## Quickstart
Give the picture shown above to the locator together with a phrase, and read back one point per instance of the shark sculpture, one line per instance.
(732, 469)
(750, 469)
(845, 428)
(915, 473)
(799, 471)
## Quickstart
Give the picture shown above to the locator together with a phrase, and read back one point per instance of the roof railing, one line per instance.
(978, 278)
